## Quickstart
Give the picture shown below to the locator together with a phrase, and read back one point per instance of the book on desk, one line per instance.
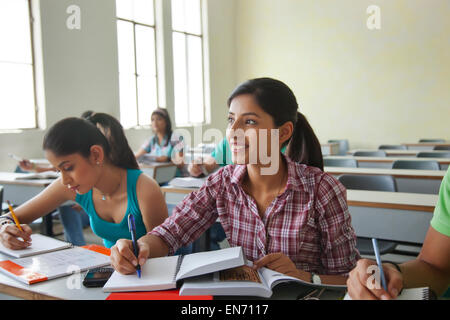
(223, 272)
(49, 258)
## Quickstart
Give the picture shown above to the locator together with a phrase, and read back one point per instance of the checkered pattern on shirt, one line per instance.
(309, 222)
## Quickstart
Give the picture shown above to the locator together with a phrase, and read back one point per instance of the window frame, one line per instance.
(33, 69)
(136, 75)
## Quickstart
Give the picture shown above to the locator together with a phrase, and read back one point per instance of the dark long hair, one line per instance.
(76, 135)
(278, 100)
(165, 115)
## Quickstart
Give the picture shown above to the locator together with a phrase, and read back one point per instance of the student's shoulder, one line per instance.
(145, 183)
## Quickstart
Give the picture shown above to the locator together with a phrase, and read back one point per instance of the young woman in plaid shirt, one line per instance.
(294, 221)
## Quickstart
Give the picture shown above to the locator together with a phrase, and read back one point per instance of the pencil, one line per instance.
(14, 216)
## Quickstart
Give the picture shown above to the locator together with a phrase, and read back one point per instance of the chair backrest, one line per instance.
(416, 164)
(392, 147)
(351, 163)
(425, 154)
(441, 148)
(432, 140)
(377, 153)
(368, 182)
(343, 145)
(1, 195)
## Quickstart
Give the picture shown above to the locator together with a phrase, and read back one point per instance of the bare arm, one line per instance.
(432, 266)
(140, 153)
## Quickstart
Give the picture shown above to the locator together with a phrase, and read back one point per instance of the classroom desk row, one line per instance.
(410, 181)
(386, 162)
(398, 153)
(399, 216)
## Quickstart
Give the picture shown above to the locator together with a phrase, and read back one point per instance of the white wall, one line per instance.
(79, 69)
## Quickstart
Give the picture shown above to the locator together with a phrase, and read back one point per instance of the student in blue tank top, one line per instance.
(98, 171)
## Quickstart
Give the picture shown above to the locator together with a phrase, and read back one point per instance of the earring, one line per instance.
(98, 162)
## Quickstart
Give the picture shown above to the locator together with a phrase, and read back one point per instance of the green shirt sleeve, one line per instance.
(441, 217)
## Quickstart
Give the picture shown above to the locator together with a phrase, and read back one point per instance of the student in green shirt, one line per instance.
(430, 269)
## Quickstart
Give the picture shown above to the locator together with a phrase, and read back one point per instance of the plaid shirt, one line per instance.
(309, 222)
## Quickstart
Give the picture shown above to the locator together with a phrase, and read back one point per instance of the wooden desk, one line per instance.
(386, 162)
(398, 153)
(424, 146)
(411, 181)
(402, 217)
(162, 172)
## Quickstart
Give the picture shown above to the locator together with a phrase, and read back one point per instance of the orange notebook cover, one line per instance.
(154, 295)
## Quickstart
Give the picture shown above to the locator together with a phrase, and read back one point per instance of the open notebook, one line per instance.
(423, 293)
(187, 182)
(39, 244)
(242, 281)
(164, 272)
(50, 265)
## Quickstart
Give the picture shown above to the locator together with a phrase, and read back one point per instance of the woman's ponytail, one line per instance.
(304, 147)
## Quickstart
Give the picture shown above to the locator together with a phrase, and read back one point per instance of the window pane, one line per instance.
(146, 98)
(195, 72)
(124, 9)
(143, 11)
(180, 78)
(128, 108)
(178, 17)
(16, 96)
(145, 51)
(15, 31)
(193, 17)
(125, 41)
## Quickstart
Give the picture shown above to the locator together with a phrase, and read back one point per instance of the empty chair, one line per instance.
(441, 148)
(425, 154)
(416, 164)
(431, 140)
(343, 146)
(351, 163)
(377, 153)
(392, 147)
(374, 183)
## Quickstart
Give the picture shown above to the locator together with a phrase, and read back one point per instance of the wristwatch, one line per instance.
(315, 279)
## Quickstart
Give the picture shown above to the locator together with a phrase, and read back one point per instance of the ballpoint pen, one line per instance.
(378, 258)
(132, 228)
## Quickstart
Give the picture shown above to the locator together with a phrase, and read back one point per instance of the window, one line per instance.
(137, 61)
(187, 40)
(17, 91)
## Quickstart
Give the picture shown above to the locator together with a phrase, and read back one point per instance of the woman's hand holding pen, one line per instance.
(10, 234)
(361, 282)
(122, 255)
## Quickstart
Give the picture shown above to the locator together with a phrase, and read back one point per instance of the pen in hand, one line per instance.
(132, 228)
(379, 263)
(14, 215)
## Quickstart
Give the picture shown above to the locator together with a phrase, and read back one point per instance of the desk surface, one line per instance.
(390, 159)
(399, 153)
(10, 178)
(397, 173)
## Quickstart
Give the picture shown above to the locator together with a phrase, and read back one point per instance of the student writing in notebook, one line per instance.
(294, 220)
(430, 269)
(100, 175)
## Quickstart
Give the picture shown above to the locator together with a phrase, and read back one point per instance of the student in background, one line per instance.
(103, 178)
(161, 144)
(294, 221)
(430, 269)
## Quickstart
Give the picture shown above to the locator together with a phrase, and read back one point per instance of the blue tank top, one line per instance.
(110, 232)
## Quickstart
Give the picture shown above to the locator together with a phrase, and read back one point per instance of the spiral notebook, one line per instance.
(164, 272)
(423, 293)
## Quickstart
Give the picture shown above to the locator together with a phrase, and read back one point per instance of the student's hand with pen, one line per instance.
(361, 284)
(13, 238)
(122, 255)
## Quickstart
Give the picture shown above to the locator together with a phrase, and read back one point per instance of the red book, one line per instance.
(154, 295)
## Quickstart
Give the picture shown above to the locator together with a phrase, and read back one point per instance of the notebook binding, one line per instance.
(179, 262)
